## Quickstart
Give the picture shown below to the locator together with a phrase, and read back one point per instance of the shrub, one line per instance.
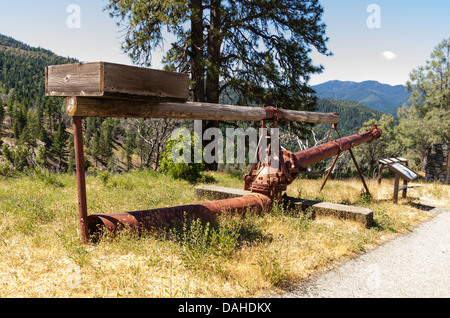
(181, 169)
(6, 168)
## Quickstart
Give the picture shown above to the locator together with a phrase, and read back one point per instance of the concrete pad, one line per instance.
(341, 211)
(213, 192)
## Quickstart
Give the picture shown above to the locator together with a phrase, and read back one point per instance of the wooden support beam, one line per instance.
(108, 107)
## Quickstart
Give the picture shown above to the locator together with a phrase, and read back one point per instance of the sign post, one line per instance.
(403, 172)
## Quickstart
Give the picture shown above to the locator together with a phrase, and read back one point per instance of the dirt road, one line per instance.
(416, 265)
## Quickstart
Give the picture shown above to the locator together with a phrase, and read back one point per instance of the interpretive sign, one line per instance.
(406, 173)
(401, 171)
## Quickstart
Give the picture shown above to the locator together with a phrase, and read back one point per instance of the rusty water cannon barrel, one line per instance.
(305, 158)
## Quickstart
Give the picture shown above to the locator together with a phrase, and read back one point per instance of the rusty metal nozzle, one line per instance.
(272, 181)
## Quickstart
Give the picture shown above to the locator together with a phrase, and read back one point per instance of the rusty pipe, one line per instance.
(164, 217)
(305, 158)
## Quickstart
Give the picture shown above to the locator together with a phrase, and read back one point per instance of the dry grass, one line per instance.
(240, 257)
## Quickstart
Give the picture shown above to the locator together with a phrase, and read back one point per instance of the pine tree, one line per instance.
(94, 147)
(19, 118)
(58, 144)
(71, 151)
(259, 49)
(129, 145)
(2, 113)
(425, 119)
(106, 140)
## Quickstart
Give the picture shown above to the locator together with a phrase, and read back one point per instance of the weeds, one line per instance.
(235, 256)
(383, 221)
(200, 240)
(364, 198)
(49, 179)
(272, 270)
(104, 177)
(28, 213)
(75, 251)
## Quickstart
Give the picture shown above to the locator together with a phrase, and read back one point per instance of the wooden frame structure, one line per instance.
(101, 89)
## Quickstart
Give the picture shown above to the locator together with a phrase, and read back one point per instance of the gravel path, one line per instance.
(415, 265)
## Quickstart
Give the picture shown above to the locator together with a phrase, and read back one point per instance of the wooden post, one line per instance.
(401, 171)
(380, 166)
(81, 182)
(405, 188)
(396, 184)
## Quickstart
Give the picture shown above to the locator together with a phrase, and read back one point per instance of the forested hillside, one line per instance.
(22, 68)
(352, 114)
(36, 133)
(33, 127)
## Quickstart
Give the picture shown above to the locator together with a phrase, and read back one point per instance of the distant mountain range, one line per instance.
(380, 97)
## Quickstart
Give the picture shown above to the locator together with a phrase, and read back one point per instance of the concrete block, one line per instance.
(212, 192)
(341, 211)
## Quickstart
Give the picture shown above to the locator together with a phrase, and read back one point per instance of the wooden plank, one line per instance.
(103, 79)
(83, 79)
(139, 81)
(101, 107)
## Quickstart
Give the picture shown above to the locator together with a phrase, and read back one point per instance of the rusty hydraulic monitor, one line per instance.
(266, 183)
(101, 89)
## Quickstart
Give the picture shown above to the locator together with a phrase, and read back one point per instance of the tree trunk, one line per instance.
(197, 64)
(213, 70)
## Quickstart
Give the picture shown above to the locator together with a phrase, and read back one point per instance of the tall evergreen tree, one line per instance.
(2, 113)
(95, 148)
(106, 140)
(426, 119)
(129, 145)
(260, 49)
(19, 118)
(71, 151)
(58, 145)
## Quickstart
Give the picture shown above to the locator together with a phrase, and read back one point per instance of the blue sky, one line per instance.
(408, 32)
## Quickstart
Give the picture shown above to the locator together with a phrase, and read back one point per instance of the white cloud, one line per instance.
(389, 55)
